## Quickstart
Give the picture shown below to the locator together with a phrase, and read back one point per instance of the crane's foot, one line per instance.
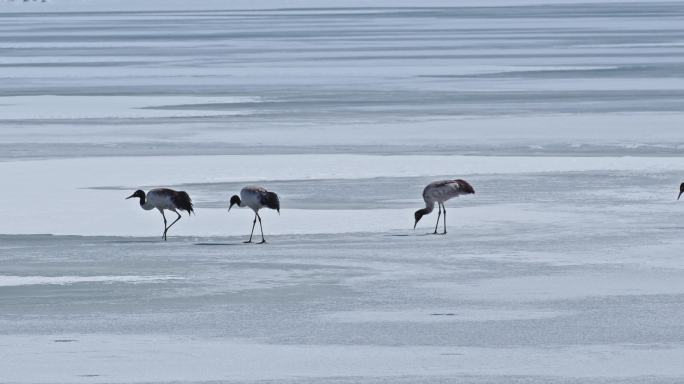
(263, 241)
(247, 242)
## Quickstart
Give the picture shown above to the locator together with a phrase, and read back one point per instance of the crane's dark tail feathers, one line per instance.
(681, 190)
(465, 186)
(271, 200)
(183, 202)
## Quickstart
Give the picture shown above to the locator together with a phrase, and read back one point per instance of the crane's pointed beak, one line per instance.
(414, 225)
(133, 195)
(680, 195)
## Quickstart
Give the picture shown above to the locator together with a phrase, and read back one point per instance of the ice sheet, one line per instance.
(106, 107)
(564, 267)
(13, 281)
(104, 210)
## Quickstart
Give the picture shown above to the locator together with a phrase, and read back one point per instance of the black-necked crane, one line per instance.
(256, 197)
(164, 198)
(439, 192)
(681, 190)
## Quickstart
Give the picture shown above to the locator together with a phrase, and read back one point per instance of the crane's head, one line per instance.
(139, 193)
(681, 190)
(234, 200)
(418, 215)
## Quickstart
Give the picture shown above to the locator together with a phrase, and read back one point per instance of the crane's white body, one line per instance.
(252, 196)
(159, 199)
(442, 190)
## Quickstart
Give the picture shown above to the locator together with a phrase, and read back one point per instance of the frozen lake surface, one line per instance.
(564, 267)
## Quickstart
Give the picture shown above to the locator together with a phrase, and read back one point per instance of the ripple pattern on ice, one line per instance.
(14, 281)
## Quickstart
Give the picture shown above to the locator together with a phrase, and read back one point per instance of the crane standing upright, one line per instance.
(256, 198)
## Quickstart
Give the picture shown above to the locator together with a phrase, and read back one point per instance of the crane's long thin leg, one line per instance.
(174, 222)
(165, 227)
(251, 233)
(439, 205)
(262, 230)
(444, 209)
